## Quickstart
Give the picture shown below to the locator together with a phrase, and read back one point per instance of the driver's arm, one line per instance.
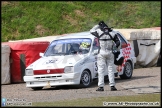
(93, 31)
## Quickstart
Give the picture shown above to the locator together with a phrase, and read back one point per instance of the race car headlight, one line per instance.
(29, 72)
(68, 69)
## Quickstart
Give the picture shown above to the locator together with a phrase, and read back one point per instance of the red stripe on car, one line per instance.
(48, 71)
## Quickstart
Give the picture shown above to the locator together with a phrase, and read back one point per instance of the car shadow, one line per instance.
(118, 80)
(63, 87)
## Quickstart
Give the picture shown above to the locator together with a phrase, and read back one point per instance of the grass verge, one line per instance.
(125, 101)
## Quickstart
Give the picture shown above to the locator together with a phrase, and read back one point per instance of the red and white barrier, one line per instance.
(23, 54)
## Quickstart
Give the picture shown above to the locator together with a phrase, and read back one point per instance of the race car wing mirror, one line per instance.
(41, 54)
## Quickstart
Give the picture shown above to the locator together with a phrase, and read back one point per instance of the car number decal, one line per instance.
(96, 67)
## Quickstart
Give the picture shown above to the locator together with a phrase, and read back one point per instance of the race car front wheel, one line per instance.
(36, 88)
(85, 79)
(128, 70)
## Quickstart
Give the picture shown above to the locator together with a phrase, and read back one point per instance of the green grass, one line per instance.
(154, 98)
(31, 19)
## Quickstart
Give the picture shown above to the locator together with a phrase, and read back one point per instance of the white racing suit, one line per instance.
(105, 57)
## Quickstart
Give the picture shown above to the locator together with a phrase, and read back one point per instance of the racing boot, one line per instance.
(100, 89)
(113, 88)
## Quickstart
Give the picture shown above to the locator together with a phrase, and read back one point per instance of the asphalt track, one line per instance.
(144, 80)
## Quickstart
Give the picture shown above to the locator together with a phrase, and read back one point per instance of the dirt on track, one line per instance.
(141, 77)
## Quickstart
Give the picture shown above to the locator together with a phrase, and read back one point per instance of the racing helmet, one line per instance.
(85, 45)
(102, 25)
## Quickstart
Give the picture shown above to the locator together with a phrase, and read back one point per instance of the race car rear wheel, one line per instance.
(85, 79)
(128, 71)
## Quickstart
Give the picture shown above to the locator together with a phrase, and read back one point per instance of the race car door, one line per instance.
(125, 47)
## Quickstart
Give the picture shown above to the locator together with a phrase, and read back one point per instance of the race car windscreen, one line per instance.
(69, 47)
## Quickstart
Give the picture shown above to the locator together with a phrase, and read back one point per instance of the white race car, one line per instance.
(72, 60)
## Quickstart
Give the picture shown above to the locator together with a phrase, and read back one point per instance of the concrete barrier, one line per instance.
(47, 38)
(146, 43)
(148, 46)
(22, 55)
(143, 41)
(5, 64)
